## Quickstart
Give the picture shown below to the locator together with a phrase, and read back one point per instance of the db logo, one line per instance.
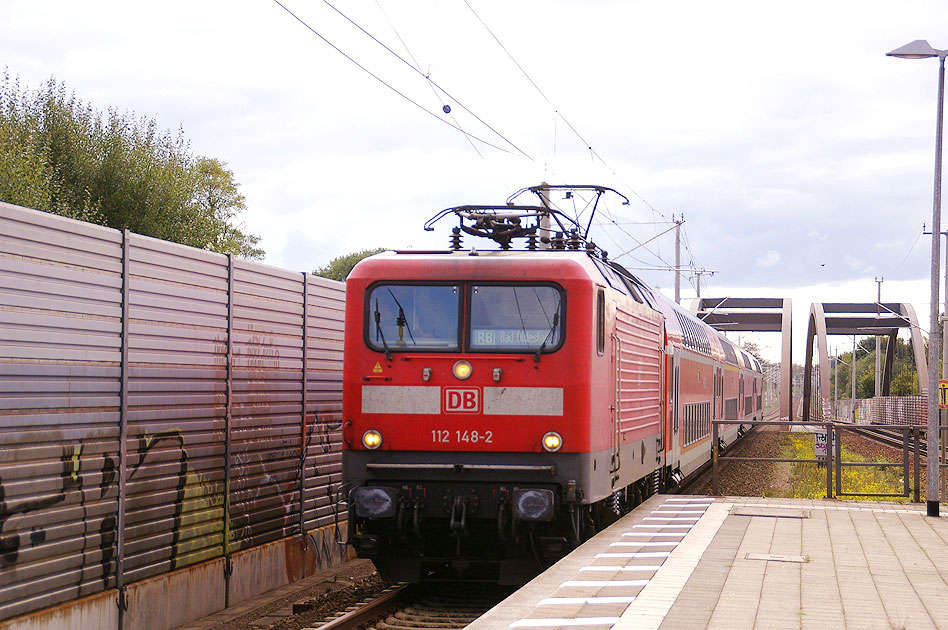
(462, 400)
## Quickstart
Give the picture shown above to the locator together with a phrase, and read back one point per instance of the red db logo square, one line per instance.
(462, 400)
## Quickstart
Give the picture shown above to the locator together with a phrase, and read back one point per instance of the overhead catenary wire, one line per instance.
(414, 64)
(911, 249)
(385, 83)
(415, 67)
(592, 151)
(470, 137)
(640, 243)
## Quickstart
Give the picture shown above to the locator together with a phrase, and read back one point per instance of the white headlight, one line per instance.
(552, 441)
(372, 439)
(462, 370)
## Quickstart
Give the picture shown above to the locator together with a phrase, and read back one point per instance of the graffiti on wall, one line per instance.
(159, 464)
(24, 522)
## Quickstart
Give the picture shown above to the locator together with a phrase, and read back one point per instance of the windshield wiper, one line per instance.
(556, 321)
(401, 320)
(378, 330)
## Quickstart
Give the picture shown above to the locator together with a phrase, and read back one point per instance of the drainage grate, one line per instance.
(770, 512)
(776, 557)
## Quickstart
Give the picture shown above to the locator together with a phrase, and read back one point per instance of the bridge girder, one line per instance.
(855, 319)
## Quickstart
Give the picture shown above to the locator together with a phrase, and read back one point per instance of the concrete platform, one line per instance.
(680, 562)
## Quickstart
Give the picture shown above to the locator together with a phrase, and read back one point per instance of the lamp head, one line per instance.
(919, 49)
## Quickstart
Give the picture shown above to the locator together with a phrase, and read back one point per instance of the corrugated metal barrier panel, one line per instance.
(207, 369)
(267, 396)
(60, 353)
(324, 337)
(176, 406)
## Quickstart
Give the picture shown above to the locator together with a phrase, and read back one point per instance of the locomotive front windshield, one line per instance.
(515, 318)
(500, 318)
(413, 317)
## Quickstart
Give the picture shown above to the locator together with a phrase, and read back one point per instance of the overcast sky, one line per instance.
(799, 154)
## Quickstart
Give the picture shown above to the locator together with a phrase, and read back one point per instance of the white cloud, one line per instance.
(852, 262)
(767, 259)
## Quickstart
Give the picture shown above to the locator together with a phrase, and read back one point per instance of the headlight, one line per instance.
(462, 370)
(374, 502)
(533, 504)
(372, 439)
(552, 441)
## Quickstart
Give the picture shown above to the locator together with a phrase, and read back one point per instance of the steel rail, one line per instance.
(387, 603)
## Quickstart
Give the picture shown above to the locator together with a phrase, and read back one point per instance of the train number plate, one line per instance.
(460, 436)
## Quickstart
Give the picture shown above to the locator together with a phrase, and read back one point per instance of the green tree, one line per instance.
(60, 155)
(904, 381)
(340, 266)
(218, 203)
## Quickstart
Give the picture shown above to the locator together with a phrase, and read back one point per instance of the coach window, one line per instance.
(601, 321)
(406, 317)
(516, 318)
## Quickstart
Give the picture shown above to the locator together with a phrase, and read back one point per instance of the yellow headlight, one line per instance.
(552, 441)
(462, 370)
(372, 439)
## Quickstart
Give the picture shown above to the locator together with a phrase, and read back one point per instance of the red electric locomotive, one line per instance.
(501, 406)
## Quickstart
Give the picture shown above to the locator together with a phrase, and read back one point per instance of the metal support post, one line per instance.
(714, 458)
(907, 434)
(852, 378)
(123, 441)
(931, 491)
(944, 460)
(835, 384)
(545, 227)
(835, 446)
(678, 223)
(829, 460)
(918, 472)
(304, 405)
(229, 385)
(878, 389)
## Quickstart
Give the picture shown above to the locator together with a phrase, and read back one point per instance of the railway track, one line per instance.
(702, 475)
(895, 438)
(420, 607)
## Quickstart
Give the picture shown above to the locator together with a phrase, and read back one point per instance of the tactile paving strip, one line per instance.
(632, 574)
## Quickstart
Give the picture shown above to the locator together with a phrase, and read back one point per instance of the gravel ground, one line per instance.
(337, 589)
(753, 479)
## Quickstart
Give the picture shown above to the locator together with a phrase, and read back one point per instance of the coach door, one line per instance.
(740, 398)
(675, 405)
(718, 393)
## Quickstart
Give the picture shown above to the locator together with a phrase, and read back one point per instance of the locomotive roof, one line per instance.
(441, 264)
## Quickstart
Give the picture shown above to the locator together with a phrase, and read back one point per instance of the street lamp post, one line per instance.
(920, 49)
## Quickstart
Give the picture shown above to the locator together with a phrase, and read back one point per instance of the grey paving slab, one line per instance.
(753, 563)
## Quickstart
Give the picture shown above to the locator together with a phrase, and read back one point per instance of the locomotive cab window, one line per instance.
(405, 318)
(516, 318)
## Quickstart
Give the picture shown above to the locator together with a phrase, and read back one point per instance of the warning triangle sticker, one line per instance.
(378, 368)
